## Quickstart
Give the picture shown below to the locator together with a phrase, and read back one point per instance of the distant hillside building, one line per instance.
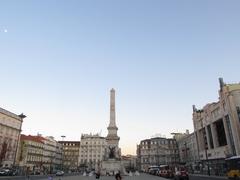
(129, 162)
(10, 129)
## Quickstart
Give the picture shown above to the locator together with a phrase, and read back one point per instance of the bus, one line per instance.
(233, 167)
(153, 170)
(165, 171)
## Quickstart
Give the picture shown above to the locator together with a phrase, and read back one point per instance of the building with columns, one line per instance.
(217, 128)
(10, 129)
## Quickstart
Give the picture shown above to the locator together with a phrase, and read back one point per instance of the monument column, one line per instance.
(112, 137)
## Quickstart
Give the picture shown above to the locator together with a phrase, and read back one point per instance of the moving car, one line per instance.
(181, 173)
(165, 171)
(59, 173)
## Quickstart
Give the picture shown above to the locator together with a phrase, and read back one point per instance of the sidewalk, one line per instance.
(209, 177)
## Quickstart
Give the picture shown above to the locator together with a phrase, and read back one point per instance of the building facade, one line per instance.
(52, 154)
(157, 151)
(10, 129)
(70, 155)
(39, 155)
(30, 154)
(129, 162)
(188, 152)
(217, 128)
(91, 151)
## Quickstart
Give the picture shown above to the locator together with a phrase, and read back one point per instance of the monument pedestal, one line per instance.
(111, 167)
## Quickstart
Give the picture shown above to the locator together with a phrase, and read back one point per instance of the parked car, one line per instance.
(181, 173)
(59, 173)
(12, 172)
(3, 172)
(8, 172)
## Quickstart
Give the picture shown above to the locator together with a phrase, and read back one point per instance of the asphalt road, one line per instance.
(141, 177)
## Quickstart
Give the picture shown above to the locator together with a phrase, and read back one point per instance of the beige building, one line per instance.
(10, 129)
(70, 154)
(39, 154)
(52, 154)
(188, 151)
(30, 154)
(157, 151)
(92, 150)
(217, 127)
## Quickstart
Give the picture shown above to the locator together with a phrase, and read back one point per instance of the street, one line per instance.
(141, 177)
(80, 177)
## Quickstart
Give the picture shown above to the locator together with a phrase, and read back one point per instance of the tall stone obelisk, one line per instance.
(112, 159)
(112, 137)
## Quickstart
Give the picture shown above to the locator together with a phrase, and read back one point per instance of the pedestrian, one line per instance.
(118, 176)
(97, 175)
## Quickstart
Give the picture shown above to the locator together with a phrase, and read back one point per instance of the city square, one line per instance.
(113, 87)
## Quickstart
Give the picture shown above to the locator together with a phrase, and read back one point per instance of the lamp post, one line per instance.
(22, 116)
(205, 148)
(63, 136)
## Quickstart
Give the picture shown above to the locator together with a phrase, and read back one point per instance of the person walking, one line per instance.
(97, 175)
(118, 176)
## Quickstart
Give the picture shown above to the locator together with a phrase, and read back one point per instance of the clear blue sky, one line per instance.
(59, 60)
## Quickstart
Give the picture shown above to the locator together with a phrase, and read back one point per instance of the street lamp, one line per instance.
(22, 116)
(63, 137)
(205, 148)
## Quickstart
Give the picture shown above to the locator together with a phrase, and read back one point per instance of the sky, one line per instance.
(59, 59)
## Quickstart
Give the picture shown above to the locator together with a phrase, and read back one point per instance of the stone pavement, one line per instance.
(141, 177)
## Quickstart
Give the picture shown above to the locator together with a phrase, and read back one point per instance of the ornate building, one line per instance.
(30, 153)
(10, 129)
(157, 151)
(91, 151)
(217, 128)
(39, 154)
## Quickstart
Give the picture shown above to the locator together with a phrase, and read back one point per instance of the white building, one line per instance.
(157, 151)
(91, 151)
(217, 127)
(10, 129)
(188, 151)
(52, 154)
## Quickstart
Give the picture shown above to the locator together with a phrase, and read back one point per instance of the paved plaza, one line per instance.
(141, 177)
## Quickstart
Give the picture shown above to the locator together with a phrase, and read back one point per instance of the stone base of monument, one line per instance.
(111, 167)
